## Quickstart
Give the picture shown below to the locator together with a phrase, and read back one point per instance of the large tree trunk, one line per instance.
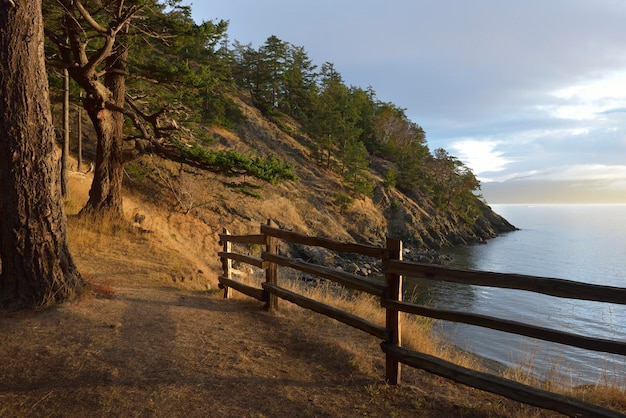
(37, 268)
(105, 195)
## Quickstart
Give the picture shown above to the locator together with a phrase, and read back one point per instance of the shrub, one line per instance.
(344, 201)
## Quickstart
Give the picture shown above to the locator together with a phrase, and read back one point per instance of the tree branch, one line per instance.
(89, 19)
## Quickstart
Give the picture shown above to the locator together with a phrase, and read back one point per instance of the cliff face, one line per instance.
(418, 223)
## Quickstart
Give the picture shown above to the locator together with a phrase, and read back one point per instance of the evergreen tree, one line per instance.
(356, 168)
(273, 55)
(454, 182)
(364, 101)
(299, 81)
(334, 119)
(403, 142)
(191, 61)
(103, 46)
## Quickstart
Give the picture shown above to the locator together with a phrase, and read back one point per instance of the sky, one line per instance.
(531, 95)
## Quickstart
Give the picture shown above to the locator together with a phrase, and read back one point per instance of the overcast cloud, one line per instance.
(516, 90)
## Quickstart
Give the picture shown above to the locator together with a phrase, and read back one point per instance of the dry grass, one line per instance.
(160, 348)
(165, 346)
(102, 290)
(419, 335)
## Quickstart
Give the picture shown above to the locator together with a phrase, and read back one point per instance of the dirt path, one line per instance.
(172, 353)
(160, 349)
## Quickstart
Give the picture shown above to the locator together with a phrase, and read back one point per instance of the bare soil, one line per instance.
(169, 352)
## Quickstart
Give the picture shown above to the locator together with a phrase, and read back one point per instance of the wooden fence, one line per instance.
(390, 293)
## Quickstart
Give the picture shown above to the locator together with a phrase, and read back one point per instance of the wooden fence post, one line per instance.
(393, 322)
(271, 273)
(227, 264)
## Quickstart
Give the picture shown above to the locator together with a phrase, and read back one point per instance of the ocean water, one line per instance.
(585, 243)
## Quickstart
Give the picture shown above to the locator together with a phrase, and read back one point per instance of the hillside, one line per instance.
(157, 339)
(149, 343)
(309, 205)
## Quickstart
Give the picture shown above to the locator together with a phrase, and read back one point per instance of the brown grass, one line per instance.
(102, 290)
(418, 335)
(165, 348)
(159, 341)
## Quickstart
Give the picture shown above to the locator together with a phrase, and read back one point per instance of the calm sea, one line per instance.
(584, 243)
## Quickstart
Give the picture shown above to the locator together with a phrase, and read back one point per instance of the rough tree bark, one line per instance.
(105, 195)
(105, 95)
(37, 267)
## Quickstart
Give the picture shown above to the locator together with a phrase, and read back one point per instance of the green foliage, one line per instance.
(244, 188)
(343, 201)
(333, 120)
(278, 120)
(356, 169)
(391, 177)
(278, 75)
(395, 204)
(454, 185)
(137, 171)
(187, 62)
(348, 123)
(233, 163)
(193, 70)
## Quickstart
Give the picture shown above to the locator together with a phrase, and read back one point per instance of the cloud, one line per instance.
(608, 174)
(480, 156)
(608, 85)
(590, 99)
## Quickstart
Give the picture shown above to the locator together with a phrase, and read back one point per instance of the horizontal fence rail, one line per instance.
(330, 244)
(500, 386)
(243, 239)
(390, 293)
(339, 315)
(512, 327)
(548, 286)
(253, 292)
(253, 261)
(371, 286)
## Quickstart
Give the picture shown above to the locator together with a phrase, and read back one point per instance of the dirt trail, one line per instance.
(166, 352)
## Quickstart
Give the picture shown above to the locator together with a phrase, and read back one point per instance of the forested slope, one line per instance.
(318, 203)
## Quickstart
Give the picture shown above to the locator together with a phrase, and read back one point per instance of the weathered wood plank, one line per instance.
(500, 386)
(371, 286)
(367, 250)
(253, 261)
(393, 320)
(271, 273)
(513, 327)
(243, 239)
(253, 292)
(548, 286)
(337, 314)
(227, 263)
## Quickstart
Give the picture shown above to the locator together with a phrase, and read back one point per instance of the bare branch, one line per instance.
(101, 55)
(89, 19)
